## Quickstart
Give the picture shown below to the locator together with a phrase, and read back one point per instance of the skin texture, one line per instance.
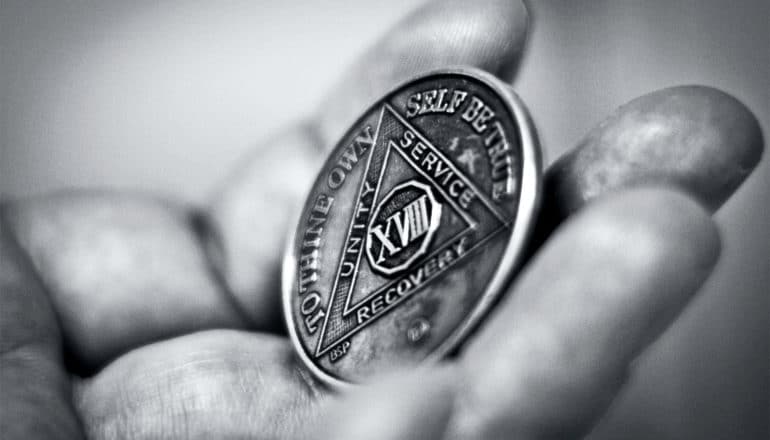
(420, 396)
(696, 138)
(625, 266)
(91, 242)
(162, 309)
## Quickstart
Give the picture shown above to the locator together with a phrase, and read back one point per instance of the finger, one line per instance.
(414, 405)
(252, 215)
(253, 210)
(697, 138)
(214, 384)
(120, 270)
(548, 361)
(488, 34)
(34, 388)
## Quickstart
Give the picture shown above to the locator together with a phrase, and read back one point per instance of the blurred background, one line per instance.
(167, 96)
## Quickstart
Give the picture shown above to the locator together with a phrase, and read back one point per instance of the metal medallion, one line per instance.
(413, 227)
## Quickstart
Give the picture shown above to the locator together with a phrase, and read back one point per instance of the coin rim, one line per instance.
(528, 204)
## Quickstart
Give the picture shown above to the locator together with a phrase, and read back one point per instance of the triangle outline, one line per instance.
(348, 309)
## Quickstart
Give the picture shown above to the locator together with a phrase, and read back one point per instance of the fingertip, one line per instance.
(486, 34)
(730, 133)
(747, 143)
(489, 34)
(697, 138)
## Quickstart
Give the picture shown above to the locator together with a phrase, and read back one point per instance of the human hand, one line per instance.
(111, 282)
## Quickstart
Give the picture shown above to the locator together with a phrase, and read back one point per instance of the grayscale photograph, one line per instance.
(384, 220)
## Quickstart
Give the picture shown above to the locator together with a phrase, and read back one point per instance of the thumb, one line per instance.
(415, 405)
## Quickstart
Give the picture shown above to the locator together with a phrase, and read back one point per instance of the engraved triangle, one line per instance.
(460, 232)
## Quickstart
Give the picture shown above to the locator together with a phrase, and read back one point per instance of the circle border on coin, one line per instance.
(528, 204)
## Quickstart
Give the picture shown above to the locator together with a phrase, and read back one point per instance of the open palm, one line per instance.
(129, 316)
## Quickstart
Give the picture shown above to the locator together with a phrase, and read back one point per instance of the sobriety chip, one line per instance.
(413, 227)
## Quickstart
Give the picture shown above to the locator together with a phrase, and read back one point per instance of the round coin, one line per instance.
(413, 227)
